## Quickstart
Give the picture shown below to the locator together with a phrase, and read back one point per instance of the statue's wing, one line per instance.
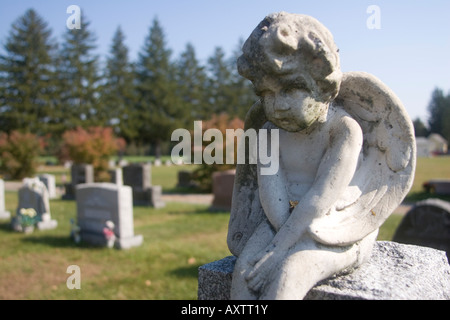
(387, 162)
(246, 209)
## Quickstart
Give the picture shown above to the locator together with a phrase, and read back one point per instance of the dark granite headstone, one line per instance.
(426, 224)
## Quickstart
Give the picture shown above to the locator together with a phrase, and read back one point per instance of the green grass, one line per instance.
(388, 228)
(167, 177)
(427, 169)
(177, 239)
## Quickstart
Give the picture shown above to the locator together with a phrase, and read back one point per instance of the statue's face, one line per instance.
(290, 108)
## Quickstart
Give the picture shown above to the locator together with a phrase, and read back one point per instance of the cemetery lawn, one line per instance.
(427, 169)
(177, 240)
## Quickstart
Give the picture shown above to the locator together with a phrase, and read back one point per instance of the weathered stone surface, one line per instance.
(214, 279)
(394, 272)
(344, 151)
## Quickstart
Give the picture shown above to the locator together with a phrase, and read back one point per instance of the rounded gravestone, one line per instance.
(426, 224)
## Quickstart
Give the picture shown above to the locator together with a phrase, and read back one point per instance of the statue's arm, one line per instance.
(273, 197)
(335, 173)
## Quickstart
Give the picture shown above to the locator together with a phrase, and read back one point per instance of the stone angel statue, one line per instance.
(346, 161)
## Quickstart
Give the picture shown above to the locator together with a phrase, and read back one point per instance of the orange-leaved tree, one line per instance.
(203, 174)
(94, 145)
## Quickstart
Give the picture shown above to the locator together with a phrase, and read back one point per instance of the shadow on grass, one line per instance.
(59, 242)
(185, 190)
(186, 272)
(52, 241)
(5, 225)
(198, 211)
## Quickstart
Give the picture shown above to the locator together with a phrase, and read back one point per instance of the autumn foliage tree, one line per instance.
(94, 145)
(18, 154)
(203, 174)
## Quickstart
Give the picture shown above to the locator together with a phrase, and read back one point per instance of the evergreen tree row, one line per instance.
(47, 88)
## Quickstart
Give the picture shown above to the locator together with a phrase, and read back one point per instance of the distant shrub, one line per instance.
(203, 174)
(94, 146)
(19, 153)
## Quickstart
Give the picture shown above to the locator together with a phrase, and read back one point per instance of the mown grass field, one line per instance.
(177, 240)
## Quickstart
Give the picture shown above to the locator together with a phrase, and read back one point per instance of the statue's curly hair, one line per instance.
(292, 48)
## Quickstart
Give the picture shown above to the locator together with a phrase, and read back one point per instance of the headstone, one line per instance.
(157, 162)
(438, 186)
(49, 181)
(111, 163)
(3, 213)
(80, 173)
(116, 176)
(426, 224)
(34, 195)
(149, 197)
(138, 177)
(98, 203)
(423, 147)
(185, 179)
(394, 272)
(222, 185)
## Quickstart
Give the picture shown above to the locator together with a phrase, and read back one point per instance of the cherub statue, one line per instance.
(346, 161)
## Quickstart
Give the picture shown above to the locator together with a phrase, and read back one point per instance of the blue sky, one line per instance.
(410, 52)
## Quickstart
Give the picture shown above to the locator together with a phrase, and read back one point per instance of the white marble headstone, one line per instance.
(3, 213)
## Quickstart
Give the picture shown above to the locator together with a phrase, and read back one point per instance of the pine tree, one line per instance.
(118, 92)
(26, 76)
(243, 95)
(79, 80)
(220, 95)
(420, 130)
(159, 108)
(439, 113)
(191, 78)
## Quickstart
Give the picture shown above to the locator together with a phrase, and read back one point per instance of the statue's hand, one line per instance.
(263, 263)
